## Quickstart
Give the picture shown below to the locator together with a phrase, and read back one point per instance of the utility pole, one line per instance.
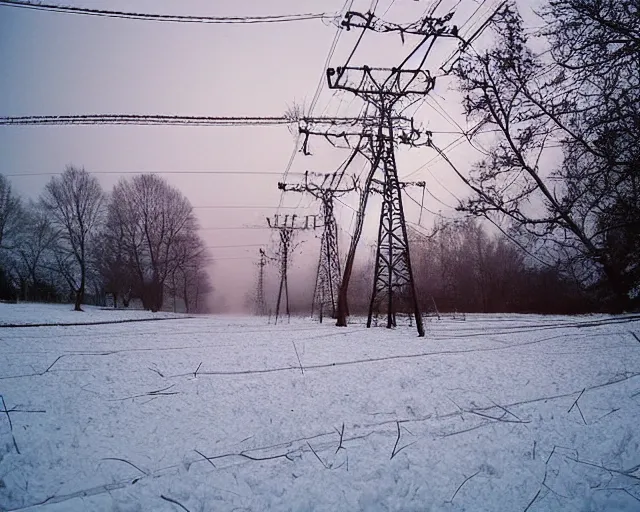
(327, 285)
(385, 90)
(261, 306)
(287, 226)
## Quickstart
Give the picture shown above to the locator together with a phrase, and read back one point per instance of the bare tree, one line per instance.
(10, 220)
(189, 279)
(114, 258)
(531, 107)
(74, 202)
(33, 253)
(158, 229)
(10, 214)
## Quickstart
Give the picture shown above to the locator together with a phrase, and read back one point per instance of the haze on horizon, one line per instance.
(63, 64)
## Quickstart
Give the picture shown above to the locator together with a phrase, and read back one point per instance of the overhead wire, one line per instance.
(144, 119)
(241, 207)
(422, 206)
(232, 228)
(232, 246)
(332, 49)
(184, 172)
(170, 18)
(314, 101)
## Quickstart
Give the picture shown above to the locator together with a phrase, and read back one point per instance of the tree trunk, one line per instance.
(185, 292)
(621, 300)
(80, 291)
(156, 295)
(78, 301)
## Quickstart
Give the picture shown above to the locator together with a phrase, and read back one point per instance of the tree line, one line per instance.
(461, 267)
(77, 242)
(555, 111)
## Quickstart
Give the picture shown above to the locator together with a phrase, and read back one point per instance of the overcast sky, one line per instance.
(55, 64)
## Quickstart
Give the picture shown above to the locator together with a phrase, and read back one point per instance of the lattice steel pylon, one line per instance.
(388, 92)
(261, 306)
(328, 276)
(286, 227)
(384, 89)
(393, 274)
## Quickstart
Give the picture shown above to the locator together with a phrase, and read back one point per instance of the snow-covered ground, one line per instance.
(497, 412)
(37, 314)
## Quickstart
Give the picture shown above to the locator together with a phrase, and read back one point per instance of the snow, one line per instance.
(36, 314)
(489, 410)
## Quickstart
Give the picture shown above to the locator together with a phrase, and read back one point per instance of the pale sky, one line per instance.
(61, 64)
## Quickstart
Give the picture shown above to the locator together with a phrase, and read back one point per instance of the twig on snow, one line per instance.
(506, 410)
(171, 500)
(456, 432)
(15, 409)
(628, 473)
(205, 457)
(615, 409)
(546, 472)
(553, 451)
(243, 454)
(298, 356)
(195, 374)
(341, 434)
(635, 336)
(156, 393)
(496, 418)
(126, 462)
(533, 500)
(157, 371)
(534, 449)
(6, 411)
(317, 456)
(51, 365)
(395, 452)
(575, 404)
(459, 408)
(460, 486)
(271, 457)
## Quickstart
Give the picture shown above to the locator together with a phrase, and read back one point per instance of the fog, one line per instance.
(61, 64)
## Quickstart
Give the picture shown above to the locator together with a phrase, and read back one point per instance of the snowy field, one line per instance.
(497, 412)
(49, 314)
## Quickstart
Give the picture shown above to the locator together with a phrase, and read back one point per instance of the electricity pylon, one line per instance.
(287, 226)
(261, 306)
(327, 285)
(383, 90)
(393, 274)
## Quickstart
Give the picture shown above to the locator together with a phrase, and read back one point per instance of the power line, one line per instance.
(314, 101)
(233, 228)
(135, 119)
(232, 207)
(233, 246)
(423, 206)
(234, 258)
(205, 172)
(171, 18)
(332, 50)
